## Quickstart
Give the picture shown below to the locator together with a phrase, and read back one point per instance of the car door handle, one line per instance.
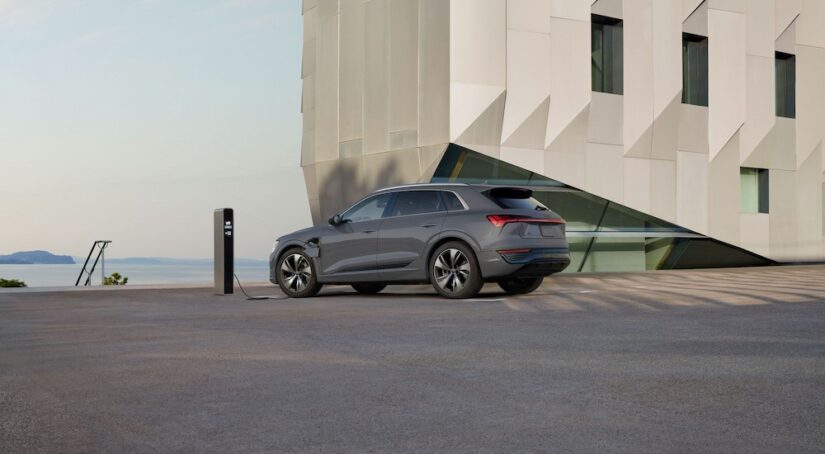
(368, 231)
(427, 226)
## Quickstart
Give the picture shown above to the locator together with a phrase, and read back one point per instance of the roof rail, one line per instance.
(418, 185)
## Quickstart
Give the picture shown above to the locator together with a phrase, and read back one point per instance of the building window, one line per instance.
(785, 85)
(606, 54)
(694, 69)
(753, 185)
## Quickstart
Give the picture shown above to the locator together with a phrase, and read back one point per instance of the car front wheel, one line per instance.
(454, 271)
(296, 274)
(520, 286)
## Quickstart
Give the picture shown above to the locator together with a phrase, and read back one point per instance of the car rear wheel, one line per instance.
(368, 288)
(296, 274)
(454, 271)
(520, 286)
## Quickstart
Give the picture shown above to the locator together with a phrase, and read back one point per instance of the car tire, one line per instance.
(368, 288)
(296, 274)
(520, 286)
(454, 271)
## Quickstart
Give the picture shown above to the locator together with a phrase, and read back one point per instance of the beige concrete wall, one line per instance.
(376, 96)
(388, 83)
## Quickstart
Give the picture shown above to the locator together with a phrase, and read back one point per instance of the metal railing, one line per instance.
(101, 246)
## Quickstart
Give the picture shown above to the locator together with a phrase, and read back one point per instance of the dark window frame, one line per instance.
(785, 76)
(604, 29)
(695, 69)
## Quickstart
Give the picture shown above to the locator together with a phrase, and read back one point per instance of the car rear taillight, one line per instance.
(499, 220)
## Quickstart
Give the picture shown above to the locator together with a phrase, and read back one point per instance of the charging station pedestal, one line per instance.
(224, 251)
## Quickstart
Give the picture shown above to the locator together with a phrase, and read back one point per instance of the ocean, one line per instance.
(138, 274)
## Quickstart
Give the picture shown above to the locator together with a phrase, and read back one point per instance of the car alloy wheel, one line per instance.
(452, 270)
(296, 272)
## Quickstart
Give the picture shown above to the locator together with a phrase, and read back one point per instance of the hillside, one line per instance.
(35, 258)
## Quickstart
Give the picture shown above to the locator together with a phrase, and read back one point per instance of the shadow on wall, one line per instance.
(350, 180)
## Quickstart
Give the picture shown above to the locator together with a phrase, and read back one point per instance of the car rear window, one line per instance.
(515, 199)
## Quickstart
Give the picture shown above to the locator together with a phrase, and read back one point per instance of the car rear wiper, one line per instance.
(541, 208)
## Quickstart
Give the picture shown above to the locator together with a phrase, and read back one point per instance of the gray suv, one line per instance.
(455, 236)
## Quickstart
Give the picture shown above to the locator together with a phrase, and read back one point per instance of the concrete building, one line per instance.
(652, 126)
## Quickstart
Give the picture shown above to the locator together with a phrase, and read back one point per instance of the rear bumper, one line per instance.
(536, 263)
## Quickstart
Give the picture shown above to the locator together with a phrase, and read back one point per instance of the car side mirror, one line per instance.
(335, 220)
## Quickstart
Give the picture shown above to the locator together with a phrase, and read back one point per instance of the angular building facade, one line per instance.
(668, 133)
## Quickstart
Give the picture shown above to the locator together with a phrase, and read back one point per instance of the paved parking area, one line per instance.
(719, 361)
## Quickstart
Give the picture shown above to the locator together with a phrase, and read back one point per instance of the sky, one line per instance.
(132, 120)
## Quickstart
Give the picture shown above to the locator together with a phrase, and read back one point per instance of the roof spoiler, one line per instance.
(510, 192)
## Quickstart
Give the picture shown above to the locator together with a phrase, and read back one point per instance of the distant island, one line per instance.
(35, 258)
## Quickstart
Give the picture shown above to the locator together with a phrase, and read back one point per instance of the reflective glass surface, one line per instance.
(603, 235)
(753, 190)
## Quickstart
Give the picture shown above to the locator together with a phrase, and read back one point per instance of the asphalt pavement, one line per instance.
(676, 361)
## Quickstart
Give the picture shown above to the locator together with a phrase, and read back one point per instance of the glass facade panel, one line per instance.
(615, 254)
(608, 254)
(607, 58)
(459, 164)
(578, 247)
(785, 85)
(708, 253)
(694, 69)
(581, 210)
(657, 250)
(620, 218)
(604, 235)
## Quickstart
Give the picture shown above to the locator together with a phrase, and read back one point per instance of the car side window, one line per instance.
(453, 204)
(417, 202)
(368, 209)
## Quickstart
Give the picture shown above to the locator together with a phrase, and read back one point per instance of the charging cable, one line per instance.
(255, 298)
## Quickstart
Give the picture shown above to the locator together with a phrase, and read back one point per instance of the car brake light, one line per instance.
(499, 220)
